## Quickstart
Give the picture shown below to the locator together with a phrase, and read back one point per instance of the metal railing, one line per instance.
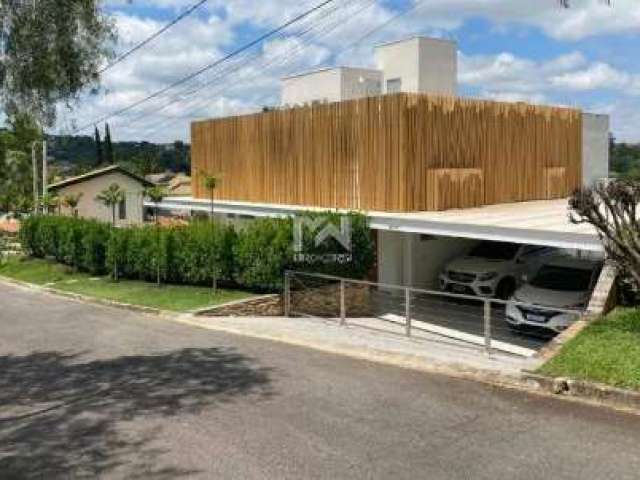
(438, 312)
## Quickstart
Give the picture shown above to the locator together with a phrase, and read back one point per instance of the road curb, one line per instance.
(590, 392)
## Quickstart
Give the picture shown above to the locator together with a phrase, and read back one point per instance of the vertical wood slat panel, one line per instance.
(375, 153)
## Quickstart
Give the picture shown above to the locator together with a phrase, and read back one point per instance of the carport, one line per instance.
(414, 247)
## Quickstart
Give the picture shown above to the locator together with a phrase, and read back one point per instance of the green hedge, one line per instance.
(253, 255)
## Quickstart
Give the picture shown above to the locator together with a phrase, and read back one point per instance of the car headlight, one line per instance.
(487, 276)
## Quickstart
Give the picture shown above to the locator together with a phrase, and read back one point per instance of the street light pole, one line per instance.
(44, 168)
(34, 165)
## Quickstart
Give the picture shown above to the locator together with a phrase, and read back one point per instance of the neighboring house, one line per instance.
(179, 186)
(432, 171)
(91, 184)
(162, 178)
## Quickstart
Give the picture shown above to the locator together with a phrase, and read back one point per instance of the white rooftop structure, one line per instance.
(414, 65)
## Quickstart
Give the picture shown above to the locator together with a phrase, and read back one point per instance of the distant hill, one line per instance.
(74, 154)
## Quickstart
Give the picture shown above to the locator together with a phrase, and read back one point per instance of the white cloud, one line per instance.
(218, 25)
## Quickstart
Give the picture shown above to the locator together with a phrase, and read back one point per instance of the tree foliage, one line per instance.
(16, 172)
(55, 49)
(108, 147)
(612, 209)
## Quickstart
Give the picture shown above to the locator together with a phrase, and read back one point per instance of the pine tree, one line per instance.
(99, 158)
(108, 148)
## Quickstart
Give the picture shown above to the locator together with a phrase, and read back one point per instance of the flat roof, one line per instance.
(328, 69)
(541, 222)
(415, 37)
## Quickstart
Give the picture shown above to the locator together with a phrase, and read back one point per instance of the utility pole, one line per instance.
(34, 165)
(44, 169)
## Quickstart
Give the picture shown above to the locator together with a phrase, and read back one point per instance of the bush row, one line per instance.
(253, 255)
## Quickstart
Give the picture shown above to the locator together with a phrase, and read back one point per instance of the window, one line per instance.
(394, 85)
(122, 210)
(563, 279)
(495, 250)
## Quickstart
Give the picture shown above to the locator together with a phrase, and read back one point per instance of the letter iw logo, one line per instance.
(323, 228)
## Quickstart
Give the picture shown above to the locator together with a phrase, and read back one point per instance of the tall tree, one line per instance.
(54, 49)
(108, 148)
(98, 142)
(178, 148)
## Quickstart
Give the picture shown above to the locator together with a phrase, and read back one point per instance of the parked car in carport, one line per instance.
(493, 269)
(564, 282)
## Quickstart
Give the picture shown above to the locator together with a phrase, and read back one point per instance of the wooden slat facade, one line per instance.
(380, 153)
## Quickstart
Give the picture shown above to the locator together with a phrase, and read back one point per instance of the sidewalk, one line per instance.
(379, 342)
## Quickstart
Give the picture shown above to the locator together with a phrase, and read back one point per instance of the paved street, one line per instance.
(93, 392)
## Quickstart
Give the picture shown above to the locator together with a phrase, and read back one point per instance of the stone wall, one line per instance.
(263, 306)
(324, 301)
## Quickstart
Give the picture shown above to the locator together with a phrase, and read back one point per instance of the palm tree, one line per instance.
(210, 183)
(155, 194)
(49, 202)
(71, 201)
(110, 198)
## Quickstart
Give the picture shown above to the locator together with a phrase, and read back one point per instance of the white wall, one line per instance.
(390, 257)
(323, 85)
(360, 83)
(595, 148)
(331, 85)
(424, 65)
(89, 207)
(411, 260)
(431, 255)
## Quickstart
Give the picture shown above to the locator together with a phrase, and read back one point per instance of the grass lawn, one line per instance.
(178, 298)
(607, 351)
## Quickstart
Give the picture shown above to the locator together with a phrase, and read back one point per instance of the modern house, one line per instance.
(432, 171)
(129, 212)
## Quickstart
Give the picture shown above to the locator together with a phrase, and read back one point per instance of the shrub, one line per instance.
(95, 238)
(203, 252)
(263, 251)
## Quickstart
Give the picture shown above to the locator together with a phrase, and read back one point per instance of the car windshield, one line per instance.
(495, 250)
(564, 279)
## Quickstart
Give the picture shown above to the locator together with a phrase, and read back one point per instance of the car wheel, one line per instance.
(506, 288)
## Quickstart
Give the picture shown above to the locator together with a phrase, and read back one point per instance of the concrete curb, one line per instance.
(589, 392)
(87, 299)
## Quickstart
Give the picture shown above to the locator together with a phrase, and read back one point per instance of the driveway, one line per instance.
(93, 392)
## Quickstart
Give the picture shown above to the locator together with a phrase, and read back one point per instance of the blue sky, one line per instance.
(520, 50)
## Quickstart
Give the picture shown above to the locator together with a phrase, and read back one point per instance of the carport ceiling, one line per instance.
(544, 222)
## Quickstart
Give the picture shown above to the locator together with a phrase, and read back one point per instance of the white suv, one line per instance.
(493, 269)
(564, 282)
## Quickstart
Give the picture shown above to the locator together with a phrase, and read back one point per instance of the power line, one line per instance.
(208, 67)
(137, 47)
(235, 68)
(170, 121)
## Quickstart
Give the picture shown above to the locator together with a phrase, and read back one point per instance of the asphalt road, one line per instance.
(91, 392)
